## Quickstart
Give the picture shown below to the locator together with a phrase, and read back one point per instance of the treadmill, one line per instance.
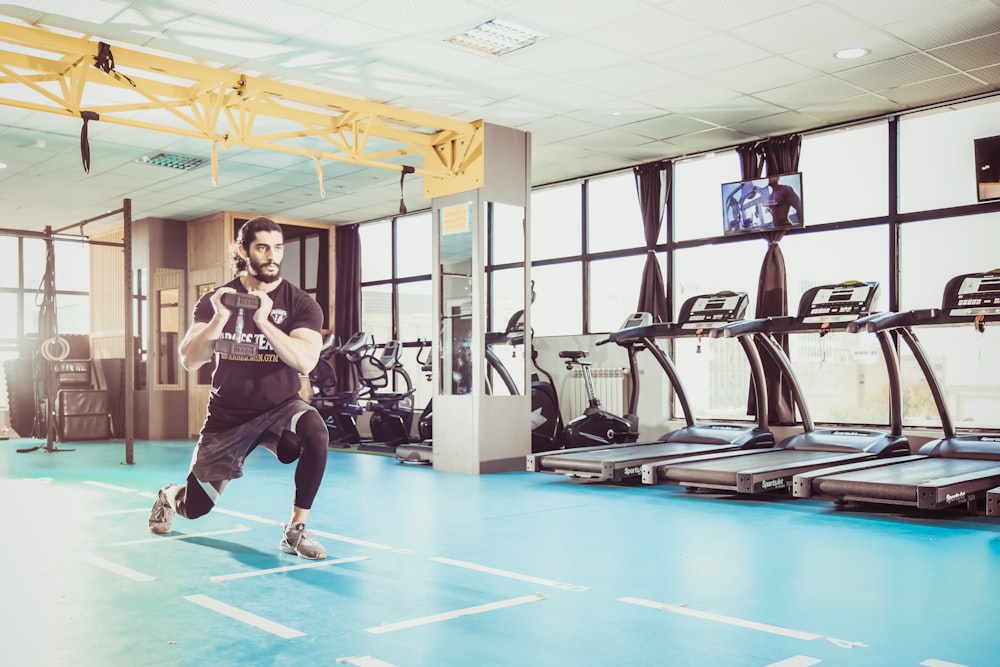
(623, 462)
(954, 470)
(822, 309)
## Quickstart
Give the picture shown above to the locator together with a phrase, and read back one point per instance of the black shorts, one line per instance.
(219, 454)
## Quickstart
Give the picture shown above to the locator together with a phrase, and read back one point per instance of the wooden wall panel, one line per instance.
(107, 297)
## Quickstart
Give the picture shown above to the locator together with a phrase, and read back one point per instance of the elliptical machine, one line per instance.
(340, 407)
(390, 399)
(597, 426)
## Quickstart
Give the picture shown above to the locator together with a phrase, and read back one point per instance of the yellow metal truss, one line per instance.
(46, 71)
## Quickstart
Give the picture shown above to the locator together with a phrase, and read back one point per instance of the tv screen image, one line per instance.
(988, 168)
(762, 204)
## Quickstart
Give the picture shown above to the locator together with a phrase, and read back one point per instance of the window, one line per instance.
(376, 251)
(376, 311)
(413, 243)
(715, 372)
(697, 194)
(936, 158)
(966, 361)
(557, 311)
(614, 219)
(556, 216)
(10, 270)
(614, 291)
(845, 174)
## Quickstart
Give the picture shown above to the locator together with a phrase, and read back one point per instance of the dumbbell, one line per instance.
(240, 303)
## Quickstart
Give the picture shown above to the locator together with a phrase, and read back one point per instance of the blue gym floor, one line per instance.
(447, 570)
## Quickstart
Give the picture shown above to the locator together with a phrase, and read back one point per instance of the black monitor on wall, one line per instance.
(988, 168)
(763, 204)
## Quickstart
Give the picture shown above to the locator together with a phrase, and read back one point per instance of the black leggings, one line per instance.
(309, 443)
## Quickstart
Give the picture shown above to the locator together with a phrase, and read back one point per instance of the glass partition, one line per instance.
(455, 226)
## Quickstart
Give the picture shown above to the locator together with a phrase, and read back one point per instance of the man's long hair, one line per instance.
(246, 236)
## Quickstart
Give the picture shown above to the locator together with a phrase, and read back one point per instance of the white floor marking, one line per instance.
(351, 540)
(288, 568)
(181, 536)
(248, 517)
(931, 662)
(111, 487)
(244, 616)
(143, 510)
(708, 616)
(511, 575)
(797, 661)
(364, 661)
(128, 573)
(450, 615)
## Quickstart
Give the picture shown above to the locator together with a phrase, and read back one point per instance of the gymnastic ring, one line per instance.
(63, 348)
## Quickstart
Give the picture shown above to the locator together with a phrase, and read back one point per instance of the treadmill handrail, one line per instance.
(886, 321)
(655, 330)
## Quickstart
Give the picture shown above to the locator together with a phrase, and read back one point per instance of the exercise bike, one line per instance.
(339, 407)
(597, 426)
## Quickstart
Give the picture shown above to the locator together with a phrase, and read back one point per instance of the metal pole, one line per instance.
(129, 336)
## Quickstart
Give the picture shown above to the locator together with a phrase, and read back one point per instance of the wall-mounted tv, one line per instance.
(988, 168)
(763, 204)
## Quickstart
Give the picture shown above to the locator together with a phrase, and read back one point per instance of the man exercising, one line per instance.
(255, 397)
(782, 198)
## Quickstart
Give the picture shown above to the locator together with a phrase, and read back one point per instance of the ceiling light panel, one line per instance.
(497, 37)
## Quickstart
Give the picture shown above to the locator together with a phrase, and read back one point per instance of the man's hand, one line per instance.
(260, 315)
(222, 312)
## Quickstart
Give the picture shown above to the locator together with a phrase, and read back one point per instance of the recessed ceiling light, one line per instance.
(851, 53)
(497, 37)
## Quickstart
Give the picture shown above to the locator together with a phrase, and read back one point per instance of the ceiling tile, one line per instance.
(667, 127)
(761, 75)
(799, 28)
(972, 54)
(808, 93)
(646, 32)
(715, 53)
(941, 89)
(947, 23)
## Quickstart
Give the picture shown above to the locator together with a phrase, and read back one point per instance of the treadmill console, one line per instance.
(636, 320)
(837, 303)
(973, 294)
(709, 311)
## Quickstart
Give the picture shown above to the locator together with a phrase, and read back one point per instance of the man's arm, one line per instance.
(299, 348)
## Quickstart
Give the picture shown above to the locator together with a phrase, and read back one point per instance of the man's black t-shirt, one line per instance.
(243, 386)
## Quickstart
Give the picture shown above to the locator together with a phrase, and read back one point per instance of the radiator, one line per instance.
(610, 386)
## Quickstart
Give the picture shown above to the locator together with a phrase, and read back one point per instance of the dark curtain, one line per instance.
(652, 183)
(778, 155)
(347, 300)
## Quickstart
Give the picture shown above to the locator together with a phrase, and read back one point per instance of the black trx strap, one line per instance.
(87, 116)
(407, 169)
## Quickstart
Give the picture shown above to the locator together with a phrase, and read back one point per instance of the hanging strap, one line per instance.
(407, 169)
(87, 116)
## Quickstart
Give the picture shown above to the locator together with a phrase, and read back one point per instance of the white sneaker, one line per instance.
(297, 540)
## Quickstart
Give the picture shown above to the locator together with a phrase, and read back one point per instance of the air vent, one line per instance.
(174, 160)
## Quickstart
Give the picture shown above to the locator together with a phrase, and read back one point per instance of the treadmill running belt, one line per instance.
(897, 482)
(593, 461)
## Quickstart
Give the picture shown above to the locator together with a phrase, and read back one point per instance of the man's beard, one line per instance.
(256, 270)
